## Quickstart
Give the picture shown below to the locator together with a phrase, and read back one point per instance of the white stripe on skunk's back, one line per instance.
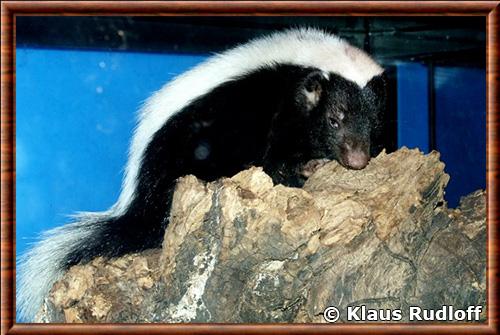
(303, 47)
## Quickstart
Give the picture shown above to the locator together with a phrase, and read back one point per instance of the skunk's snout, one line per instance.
(355, 153)
(356, 159)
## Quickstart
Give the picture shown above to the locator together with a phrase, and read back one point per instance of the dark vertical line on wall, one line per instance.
(391, 112)
(432, 107)
(386, 134)
(367, 41)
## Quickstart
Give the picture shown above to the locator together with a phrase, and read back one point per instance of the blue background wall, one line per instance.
(413, 106)
(75, 113)
(459, 121)
(460, 103)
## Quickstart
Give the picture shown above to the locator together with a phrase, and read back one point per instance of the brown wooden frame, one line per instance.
(10, 9)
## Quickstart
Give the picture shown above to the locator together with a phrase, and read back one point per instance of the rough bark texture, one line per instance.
(243, 250)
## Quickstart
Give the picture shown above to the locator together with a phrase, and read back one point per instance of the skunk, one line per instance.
(279, 102)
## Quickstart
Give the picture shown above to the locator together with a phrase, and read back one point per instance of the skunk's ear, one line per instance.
(377, 84)
(310, 90)
(375, 91)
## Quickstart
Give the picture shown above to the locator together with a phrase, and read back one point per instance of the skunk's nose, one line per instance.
(357, 159)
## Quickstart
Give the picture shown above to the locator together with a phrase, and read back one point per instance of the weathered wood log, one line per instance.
(244, 250)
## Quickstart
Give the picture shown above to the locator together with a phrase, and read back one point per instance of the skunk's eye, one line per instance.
(333, 123)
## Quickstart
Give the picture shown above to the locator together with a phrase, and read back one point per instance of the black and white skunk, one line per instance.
(277, 102)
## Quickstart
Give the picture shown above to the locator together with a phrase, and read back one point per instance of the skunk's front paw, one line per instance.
(312, 166)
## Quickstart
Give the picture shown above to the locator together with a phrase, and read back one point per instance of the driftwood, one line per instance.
(243, 250)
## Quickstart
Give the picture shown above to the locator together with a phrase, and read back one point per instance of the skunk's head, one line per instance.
(342, 115)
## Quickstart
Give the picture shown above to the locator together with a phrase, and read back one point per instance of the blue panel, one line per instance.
(75, 114)
(460, 95)
(413, 106)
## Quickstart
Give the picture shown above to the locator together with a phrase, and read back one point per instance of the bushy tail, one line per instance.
(45, 263)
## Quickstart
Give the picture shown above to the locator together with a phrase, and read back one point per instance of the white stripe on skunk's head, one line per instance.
(304, 47)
